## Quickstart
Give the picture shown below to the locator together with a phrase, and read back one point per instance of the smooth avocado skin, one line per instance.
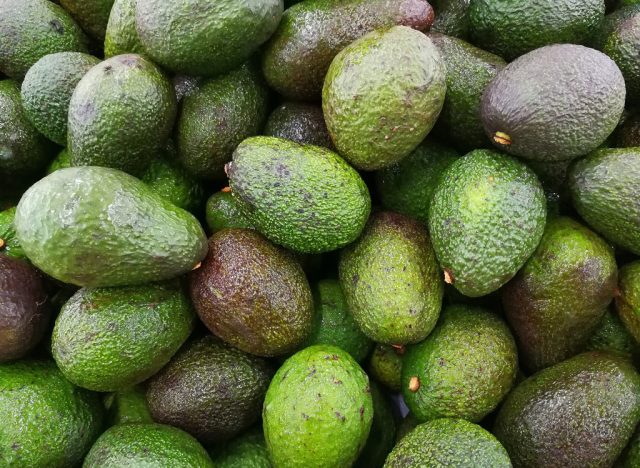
(47, 421)
(10, 244)
(554, 116)
(601, 186)
(628, 298)
(300, 122)
(385, 366)
(91, 15)
(377, 113)
(223, 211)
(487, 217)
(36, 28)
(578, 413)
(556, 301)
(47, 88)
(150, 322)
(318, 410)
(121, 36)
(252, 294)
(147, 444)
(305, 198)
(248, 450)
(391, 280)
(136, 236)
(448, 442)
(212, 39)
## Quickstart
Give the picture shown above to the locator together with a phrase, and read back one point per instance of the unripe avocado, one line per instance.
(246, 451)
(628, 298)
(318, 410)
(121, 36)
(9, 243)
(175, 183)
(94, 226)
(612, 335)
(127, 406)
(391, 280)
(382, 435)
(91, 15)
(299, 122)
(631, 456)
(61, 161)
(382, 95)
(385, 365)
(223, 211)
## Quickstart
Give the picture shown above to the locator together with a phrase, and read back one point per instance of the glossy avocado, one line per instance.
(299, 122)
(223, 211)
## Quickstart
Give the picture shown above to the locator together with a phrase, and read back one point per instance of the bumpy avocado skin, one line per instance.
(452, 18)
(300, 122)
(100, 227)
(556, 301)
(318, 409)
(391, 280)
(245, 451)
(127, 406)
(378, 112)
(121, 36)
(223, 211)
(601, 186)
(628, 298)
(385, 365)
(486, 218)
(305, 198)
(176, 184)
(382, 435)
(613, 336)
(92, 15)
(11, 245)
(47, 421)
(578, 413)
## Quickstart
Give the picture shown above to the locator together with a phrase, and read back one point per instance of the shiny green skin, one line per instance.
(246, 451)
(510, 29)
(33, 29)
(47, 89)
(631, 456)
(121, 36)
(147, 444)
(318, 410)
(299, 122)
(211, 390)
(377, 113)
(612, 335)
(94, 327)
(623, 46)
(12, 246)
(579, 413)
(127, 406)
(391, 280)
(556, 301)
(382, 435)
(297, 57)
(334, 323)
(628, 299)
(91, 15)
(61, 161)
(448, 442)
(174, 183)
(487, 217)
(121, 115)
(23, 151)
(385, 365)
(136, 236)
(452, 18)
(306, 198)
(223, 211)
(46, 421)
(204, 38)
(407, 186)
(465, 367)
(601, 186)
(217, 117)
(469, 71)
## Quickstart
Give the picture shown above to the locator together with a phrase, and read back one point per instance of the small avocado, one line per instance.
(91, 15)
(318, 410)
(578, 413)
(382, 435)
(452, 18)
(631, 456)
(612, 336)
(385, 365)
(378, 112)
(121, 36)
(61, 161)
(486, 218)
(627, 299)
(9, 243)
(174, 183)
(246, 451)
(127, 406)
(223, 211)
(299, 122)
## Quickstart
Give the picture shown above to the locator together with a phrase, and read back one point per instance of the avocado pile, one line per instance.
(319, 233)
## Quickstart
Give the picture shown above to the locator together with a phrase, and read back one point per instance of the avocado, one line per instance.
(452, 18)
(246, 451)
(448, 442)
(185, 85)
(121, 36)
(174, 183)
(382, 435)
(463, 369)
(91, 15)
(469, 71)
(554, 116)
(252, 294)
(391, 280)
(223, 211)
(46, 421)
(299, 122)
(149, 323)
(511, 29)
(32, 29)
(602, 186)
(147, 444)
(210, 390)
(9, 244)
(61, 161)
(486, 218)
(378, 112)
(24, 308)
(407, 187)
(127, 406)
(296, 59)
(96, 227)
(217, 117)
(556, 301)
(612, 335)
(627, 299)
(578, 413)
(385, 365)
(627, 135)
(318, 410)
(121, 114)
(306, 198)
(406, 425)
(47, 89)
(631, 456)
(203, 38)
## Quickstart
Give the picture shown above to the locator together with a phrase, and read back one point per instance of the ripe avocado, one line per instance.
(299, 122)
(127, 406)
(223, 211)
(91, 15)
(121, 36)
(9, 243)
(385, 365)
(382, 435)
(628, 298)
(175, 183)
(246, 451)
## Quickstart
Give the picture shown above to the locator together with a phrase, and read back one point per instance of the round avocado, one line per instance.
(385, 365)
(246, 451)
(223, 211)
(299, 122)
(175, 183)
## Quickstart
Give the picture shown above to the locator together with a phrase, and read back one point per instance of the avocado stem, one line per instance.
(502, 138)
(226, 189)
(414, 383)
(2, 244)
(399, 349)
(448, 277)
(198, 265)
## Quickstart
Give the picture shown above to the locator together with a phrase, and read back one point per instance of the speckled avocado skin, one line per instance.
(92, 15)
(557, 299)
(136, 236)
(579, 413)
(173, 182)
(121, 36)
(385, 365)
(378, 112)
(486, 218)
(299, 122)
(628, 298)
(306, 198)
(554, 116)
(318, 410)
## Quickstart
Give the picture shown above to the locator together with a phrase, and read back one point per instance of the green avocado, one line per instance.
(10, 245)
(121, 36)
(175, 183)
(612, 336)
(631, 456)
(627, 299)
(385, 365)
(299, 122)
(91, 15)
(452, 18)
(382, 435)
(246, 451)
(61, 161)
(223, 211)
(127, 406)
